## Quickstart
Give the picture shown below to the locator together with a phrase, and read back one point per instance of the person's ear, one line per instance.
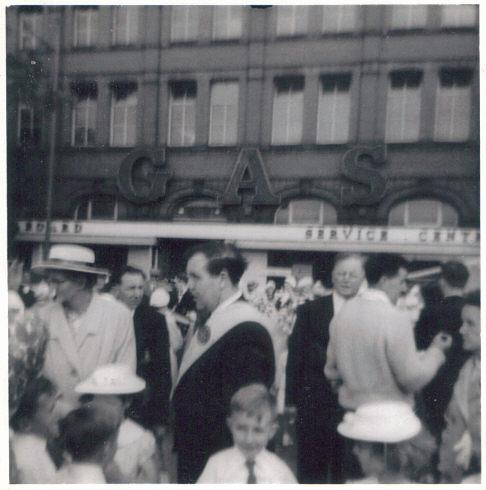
(273, 429)
(224, 277)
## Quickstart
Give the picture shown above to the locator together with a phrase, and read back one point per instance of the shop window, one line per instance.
(85, 26)
(403, 106)
(227, 22)
(182, 113)
(224, 114)
(84, 113)
(291, 20)
(200, 210)
(125, 25)
(98, 208)
(288, 111)
(29, 127)
(29, 26)
(334, 109)
(184, 23)
(123, 114)
(453, 105)
(306, 212)
(409, 16)
(423, 212)
(339, 18)
(459, 15)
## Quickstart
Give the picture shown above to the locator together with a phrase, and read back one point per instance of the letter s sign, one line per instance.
(353, 169)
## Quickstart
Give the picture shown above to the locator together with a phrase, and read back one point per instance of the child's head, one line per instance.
(112, 383)
(36, 412)
(89, 433)
(471, 322)
(252, 419)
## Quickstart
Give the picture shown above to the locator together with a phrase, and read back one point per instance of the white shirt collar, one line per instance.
(227, 302)
(376, 295)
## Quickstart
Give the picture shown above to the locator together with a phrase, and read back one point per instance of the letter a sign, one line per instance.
(249, 175)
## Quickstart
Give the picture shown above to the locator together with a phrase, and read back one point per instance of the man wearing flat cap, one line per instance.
(85, 330)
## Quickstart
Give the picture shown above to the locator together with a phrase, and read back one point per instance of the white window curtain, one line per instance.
(227, 21)
(224, 114)
(182, 114)
(288, 109)
(184, 25)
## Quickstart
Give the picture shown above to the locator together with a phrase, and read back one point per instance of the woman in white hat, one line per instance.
(384, 434)
(85, 330)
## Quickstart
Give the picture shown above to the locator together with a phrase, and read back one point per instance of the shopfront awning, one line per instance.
(428, 241)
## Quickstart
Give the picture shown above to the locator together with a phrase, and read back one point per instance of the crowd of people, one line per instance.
(129, 379)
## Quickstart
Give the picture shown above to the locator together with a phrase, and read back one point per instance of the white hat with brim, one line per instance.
(67, 257)
(388, 422)
(111, 379)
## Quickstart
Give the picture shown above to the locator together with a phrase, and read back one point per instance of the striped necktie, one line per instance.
(250, 464)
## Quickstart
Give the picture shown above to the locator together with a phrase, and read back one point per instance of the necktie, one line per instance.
(250, 464)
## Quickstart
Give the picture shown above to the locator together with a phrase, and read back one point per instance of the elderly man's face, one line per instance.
(130, 289)
(347, 276)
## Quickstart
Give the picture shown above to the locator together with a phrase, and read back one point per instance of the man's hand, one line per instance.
(464, 450)
(442, 341)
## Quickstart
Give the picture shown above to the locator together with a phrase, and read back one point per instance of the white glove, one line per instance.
(463, 448)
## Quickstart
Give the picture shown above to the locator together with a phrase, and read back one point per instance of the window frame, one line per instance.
(89, 209)
(91, 103)
(134, 104)
(130, 38)
(340, 29)
(35, 18)
(406, 214)
(224, 141)
(457, 24)
(172, 103)
(228, 35)
(188, 37)
(322, 205)
(91, 31)
(281, 29)
(410, 15)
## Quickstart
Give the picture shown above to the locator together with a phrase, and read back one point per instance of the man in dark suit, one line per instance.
(319, 447)
(230, 349)
(150, 408)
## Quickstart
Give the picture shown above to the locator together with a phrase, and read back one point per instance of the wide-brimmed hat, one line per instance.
(111, 379)
(67, 257)
(387, 422)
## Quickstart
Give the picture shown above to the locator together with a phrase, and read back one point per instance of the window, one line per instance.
(227, 22)
(453, 105)
(224, 114)
(98, 208)
(459, 15)
(28, 126)
(306, 212)
(184, 23)
(403, 106)
(339, 18)
(84, 113)
(123, 114)
(334, 109)
(85, 20)
(182, 113)
(125, 25)
(200, 210)
(288, 108)
(423, 212)
(29, 23)
(409, 16)
(291, 20)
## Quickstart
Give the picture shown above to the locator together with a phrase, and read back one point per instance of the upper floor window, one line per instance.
(291, 20)
(409, 16)
(125, 25)
(28, 125)
(339, 18)
(182, 113)
(288, 110)
(200, 210)
(98, 208)
(453, 105)
(334, 109)
(403, 106)
(306, 212)
(85, 26)
(123, 114)
(423, 212)
(184, 23)
(227, 21)
(459, 15)
(29, 25)
(84, 113)
(223, 127)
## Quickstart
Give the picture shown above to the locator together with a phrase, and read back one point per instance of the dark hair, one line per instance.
(29, 402)
(341, 256)
(253, 399)
(221, 256)
(473, 298)
(87, 429)
(181, 276)
(455, 274)
(118, 274)
(383, 265)
(88, 279)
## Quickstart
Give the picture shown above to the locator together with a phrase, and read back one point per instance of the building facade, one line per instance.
(274, 127)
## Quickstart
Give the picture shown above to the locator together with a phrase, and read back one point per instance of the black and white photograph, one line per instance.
(243, 243)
